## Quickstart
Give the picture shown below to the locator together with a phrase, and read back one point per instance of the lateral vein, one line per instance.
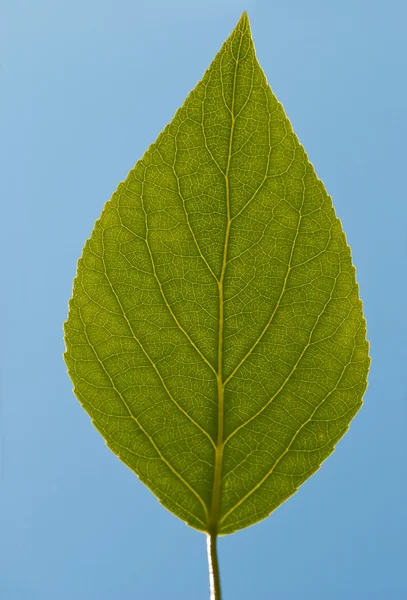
(150, 439)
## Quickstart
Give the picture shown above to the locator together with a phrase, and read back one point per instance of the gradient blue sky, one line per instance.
(86, 86)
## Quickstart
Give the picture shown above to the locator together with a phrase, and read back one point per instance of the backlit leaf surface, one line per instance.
(215, 334)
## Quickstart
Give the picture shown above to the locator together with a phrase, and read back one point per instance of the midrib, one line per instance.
(217, 479)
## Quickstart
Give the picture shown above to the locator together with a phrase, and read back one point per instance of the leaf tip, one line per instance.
(244, 19)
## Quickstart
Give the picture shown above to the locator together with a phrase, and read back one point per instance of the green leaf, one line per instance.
(215, 334)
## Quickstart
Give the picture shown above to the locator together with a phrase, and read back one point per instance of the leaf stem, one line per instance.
(214, 577)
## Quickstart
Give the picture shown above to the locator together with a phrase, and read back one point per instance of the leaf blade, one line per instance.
(216, 308)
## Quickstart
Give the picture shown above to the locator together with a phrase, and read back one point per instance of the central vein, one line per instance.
(215, 507)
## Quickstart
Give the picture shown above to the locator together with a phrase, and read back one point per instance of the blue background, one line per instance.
(86, 86)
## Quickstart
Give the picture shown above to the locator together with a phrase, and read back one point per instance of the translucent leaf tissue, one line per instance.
(215, 333)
